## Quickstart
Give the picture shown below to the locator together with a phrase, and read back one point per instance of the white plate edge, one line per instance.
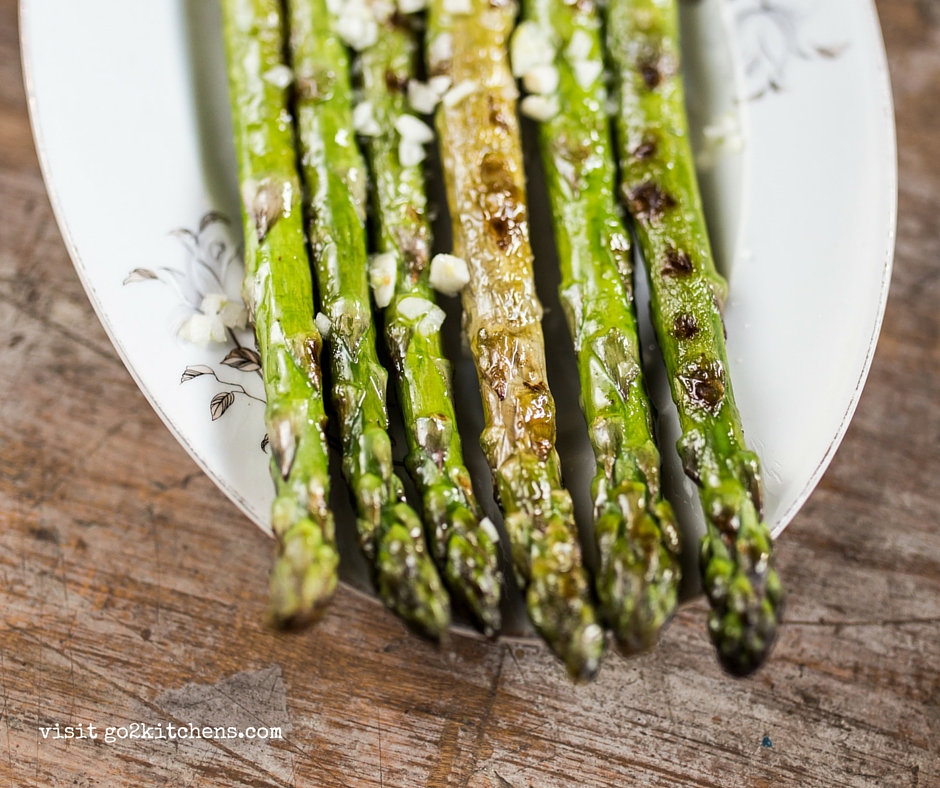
(79, 266)
(890, 129)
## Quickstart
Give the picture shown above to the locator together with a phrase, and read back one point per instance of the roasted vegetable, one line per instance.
(557, 53)
(464, 546)
(660, 190)
(391, 533)
(279, 294)
(479, 136)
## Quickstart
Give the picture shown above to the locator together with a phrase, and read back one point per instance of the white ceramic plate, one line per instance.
(129, 108)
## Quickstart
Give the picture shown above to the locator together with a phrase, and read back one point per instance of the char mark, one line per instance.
(503, 207)
(648, 201)
(676, 263)
(685, 326)
(646, 149)
(703, 382)
(395, 82)
(651, 72)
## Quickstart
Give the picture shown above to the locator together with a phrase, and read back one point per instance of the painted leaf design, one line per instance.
(244, 359)
(211, 218)
(830, 52)
(195, 371)
(221, 402)
(264, 443)
(182, 233)
(140, 275)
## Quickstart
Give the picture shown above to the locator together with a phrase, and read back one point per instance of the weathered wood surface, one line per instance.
(125, 575)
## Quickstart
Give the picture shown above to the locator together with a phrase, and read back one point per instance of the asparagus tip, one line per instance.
(570, 628)
(742, 645)
(745, 594)
(584, 652)
(638, 580)
(472, 574)
(303, 578)
(406, 578)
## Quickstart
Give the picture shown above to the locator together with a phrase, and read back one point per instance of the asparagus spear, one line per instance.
(557, 52)
(391, 534)
(484, 176)
(279, 294)
(465, 551)
(660, 189)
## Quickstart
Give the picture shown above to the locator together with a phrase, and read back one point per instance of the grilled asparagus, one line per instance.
(279, 295)
(479, 136)
(391, 533)
(465, 550)
(660, 190)
(557, 53)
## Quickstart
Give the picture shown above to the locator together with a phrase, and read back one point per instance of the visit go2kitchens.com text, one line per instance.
(139, 731)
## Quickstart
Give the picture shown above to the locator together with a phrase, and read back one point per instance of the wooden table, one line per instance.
(132, 591)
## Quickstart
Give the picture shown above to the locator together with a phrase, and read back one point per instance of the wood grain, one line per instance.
(126, 576)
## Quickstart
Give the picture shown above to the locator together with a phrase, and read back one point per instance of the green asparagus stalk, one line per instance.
(391, 533)
(279, 295)
(465, 551)
(660, 189)
(483, 171)
(557, 52)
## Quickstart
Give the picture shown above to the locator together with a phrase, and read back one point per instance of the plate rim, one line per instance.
(887, 107)
(45, 170)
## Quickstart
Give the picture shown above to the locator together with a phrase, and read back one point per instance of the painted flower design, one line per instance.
(208, 284)
(772, 34)
(210, 322)
(210, 310)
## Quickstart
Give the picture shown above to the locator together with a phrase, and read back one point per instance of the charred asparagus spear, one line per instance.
(483, 171)
(557, 52)
(391, 534)
(660, 189)
(465, 550)
(279, 294)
